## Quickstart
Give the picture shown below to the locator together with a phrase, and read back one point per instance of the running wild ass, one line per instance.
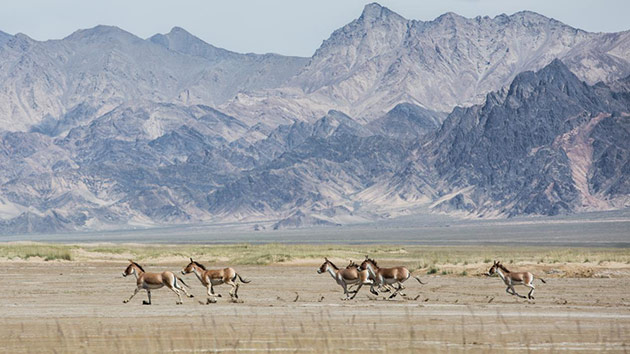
(209, 278)
(344, 277)
(514, 278)
(151, 281)
(387, 276)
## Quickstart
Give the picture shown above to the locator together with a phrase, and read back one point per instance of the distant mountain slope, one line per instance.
(97, 69)
(382, 59)
(103, 129)
(407, 121)
(229, 72)
(536, 148)
(548, 144)
(4, 38)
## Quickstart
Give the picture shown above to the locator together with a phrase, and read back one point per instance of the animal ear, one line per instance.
(130, 260)
(191, 260)
(366, 257)
(326, 258)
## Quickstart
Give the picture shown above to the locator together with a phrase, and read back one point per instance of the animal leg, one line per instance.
(236, 291)
(372, 290)
(149, 296)
(187, 293)
(531, 292)
(345, 291)
(384, 288)
(234, 287)
(179, 296)
(400, 288)
(182, 288)
(211, 293)
(396, 291)
(132, 295)
(517, 294)
(356, 291)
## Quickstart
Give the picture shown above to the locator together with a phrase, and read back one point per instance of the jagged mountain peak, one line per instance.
(555, 69)
(102, 32)
(123, 115)
(20, 40)
(535, 18)
(180, 40)
(556, 66)
(375, 11)
(537, 107)
(450, 17)
(555, 74)
(179, 31)
(176, 34)
(23, 37)
(4, 38)
(521, 18)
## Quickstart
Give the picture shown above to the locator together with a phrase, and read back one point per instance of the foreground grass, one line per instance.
(323, 331)
(458, 260)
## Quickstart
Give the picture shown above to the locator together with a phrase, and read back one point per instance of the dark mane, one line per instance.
(352, 265)
(332, 264)
(373, 261)
(503, 267)
(199, 265)
(138, 265)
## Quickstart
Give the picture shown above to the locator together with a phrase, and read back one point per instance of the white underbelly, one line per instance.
(152, 286)
(351, 281)
(216, 281)
(389, 281)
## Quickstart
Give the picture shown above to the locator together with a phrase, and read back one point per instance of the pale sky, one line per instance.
(290, 27)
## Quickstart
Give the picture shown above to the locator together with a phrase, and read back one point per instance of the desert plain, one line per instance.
(69, 298)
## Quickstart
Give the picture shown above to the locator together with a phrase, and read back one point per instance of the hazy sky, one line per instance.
(291, 27)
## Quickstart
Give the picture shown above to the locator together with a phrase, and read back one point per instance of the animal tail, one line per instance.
(182, 280)
(419, 281)
(243, 280)
(543, 280)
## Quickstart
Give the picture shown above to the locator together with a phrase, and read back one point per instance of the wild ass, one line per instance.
(386, 288)
(514, 278)
(345, 277)
(387, 276)
(209, 278)
(151, 281)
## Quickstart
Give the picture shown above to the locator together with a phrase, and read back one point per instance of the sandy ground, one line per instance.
(77, 307)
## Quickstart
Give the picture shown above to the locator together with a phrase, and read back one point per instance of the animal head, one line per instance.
(368, 262)
(324, 267)
(191, 267)
(131, 268)
(494, 268)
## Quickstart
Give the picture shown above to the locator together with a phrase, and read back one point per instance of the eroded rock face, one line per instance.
(104, 129)
(381, 59)
(55, 85)
(536, 148)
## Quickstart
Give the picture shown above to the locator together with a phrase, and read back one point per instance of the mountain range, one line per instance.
(483, 117)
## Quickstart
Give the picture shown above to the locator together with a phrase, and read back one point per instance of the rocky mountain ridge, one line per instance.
(382, 59)
(103, 129)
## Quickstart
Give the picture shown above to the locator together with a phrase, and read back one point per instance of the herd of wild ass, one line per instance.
(367, 273)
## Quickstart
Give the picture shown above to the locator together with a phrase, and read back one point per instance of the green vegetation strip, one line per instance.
(415, 257)
(44, 251)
